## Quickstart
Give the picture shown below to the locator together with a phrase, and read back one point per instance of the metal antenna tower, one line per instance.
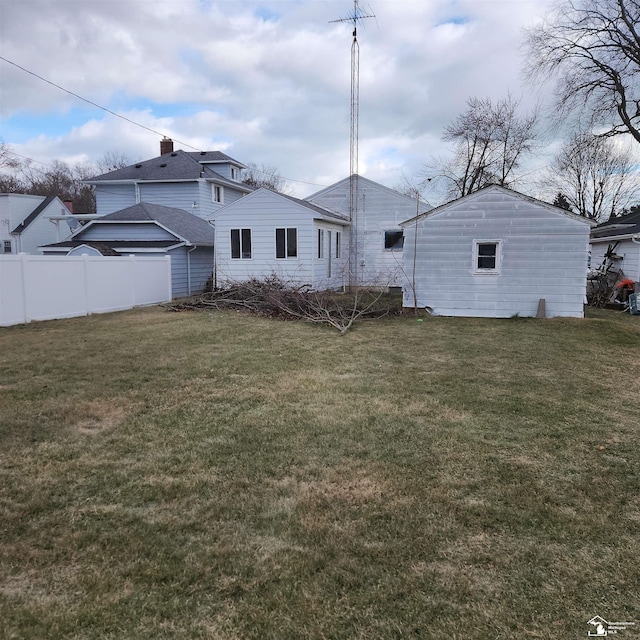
(356, 17)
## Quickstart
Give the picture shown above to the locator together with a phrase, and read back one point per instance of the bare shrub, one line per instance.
(272, 297)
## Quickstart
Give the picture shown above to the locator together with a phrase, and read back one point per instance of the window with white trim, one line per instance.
(320, 244)
(235, 174)
(287, 243)
(6, 246)
(241, 244)
(393, 240)
(217, 193)
(486, 256)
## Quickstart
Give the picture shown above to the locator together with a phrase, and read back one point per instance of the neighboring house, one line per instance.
(622, 234)
(150, 230)
(376, 234)
(25, 223)
(268, 233)
(497, 253)
(197, 182)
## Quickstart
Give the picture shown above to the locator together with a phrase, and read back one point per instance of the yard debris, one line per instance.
(274, 298)
(607, 284)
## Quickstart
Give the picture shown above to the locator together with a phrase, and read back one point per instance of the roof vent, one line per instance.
(138, 166)
(174, 154)
(203, 153)
(164, 164)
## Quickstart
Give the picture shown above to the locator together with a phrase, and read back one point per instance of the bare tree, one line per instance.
(592, 49)
(57, 178)
(62, 180)
(263, 176)
(8, 160)
(594, 176)
(490, 141)
(113, 160)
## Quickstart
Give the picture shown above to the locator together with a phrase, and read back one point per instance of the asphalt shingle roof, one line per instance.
(34, 214)
(109, 247)
(326, 213)
(193, 229)
(177, 165)
(620, 226)
(213, 156)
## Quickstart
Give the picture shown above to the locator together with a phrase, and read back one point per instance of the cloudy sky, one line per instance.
(266, 82)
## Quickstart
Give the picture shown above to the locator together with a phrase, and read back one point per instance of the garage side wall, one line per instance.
(542, 254)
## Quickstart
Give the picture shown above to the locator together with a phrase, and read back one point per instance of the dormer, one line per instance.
(221, 163)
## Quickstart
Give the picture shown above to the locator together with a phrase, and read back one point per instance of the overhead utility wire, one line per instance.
(94, 104)
(137, 124)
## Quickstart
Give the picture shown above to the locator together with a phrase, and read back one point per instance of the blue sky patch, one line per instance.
(457, 20)
(268, 15)
(28, 125)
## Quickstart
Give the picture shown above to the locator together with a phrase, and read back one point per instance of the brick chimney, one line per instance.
(69, 205)
(166, 145)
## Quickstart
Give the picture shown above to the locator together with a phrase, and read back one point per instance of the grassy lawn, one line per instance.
(217, 475)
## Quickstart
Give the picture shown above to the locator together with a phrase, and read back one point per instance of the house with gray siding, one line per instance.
(622, 235)
(154, 230)
(268, 233)
(25, 223)
(376, 232)
(199, 182)
(496, 253)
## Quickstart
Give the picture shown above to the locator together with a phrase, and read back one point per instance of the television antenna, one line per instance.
(356, 16)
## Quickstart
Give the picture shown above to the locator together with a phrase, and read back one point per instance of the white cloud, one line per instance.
(268, 82)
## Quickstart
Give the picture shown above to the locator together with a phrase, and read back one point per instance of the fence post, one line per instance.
(23, 287)
(85, 276)
(133, 280)
(169, 282)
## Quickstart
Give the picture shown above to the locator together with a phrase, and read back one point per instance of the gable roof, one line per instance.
(316, 210)
(115, 247)
(498, 189)
(621, 226)
(192, 229)
(175, 166)
(214, 157)
(33, 215)
(346, 182)
(321, 211)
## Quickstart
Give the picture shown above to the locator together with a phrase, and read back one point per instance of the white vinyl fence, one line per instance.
(47, 287)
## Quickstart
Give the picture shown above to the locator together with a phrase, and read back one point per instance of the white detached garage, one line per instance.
(496, 253)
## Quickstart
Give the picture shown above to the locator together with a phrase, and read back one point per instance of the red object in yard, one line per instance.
(625, 283)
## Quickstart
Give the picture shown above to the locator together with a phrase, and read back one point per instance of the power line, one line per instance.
(95, 104)
(137, 124)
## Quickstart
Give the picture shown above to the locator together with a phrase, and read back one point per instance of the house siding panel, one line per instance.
(113, 197)
(379, 209)
(263, 212)
(179, 273)
(201, 268)
(627, 249)
(544, 255)
(180, 195)
(126, 231)
(42, 231)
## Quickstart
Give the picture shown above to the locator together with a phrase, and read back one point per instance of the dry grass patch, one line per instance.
(471, 478)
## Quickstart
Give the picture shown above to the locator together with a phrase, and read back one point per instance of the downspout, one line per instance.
(212, 223)
(189, 268)
(137, 187)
